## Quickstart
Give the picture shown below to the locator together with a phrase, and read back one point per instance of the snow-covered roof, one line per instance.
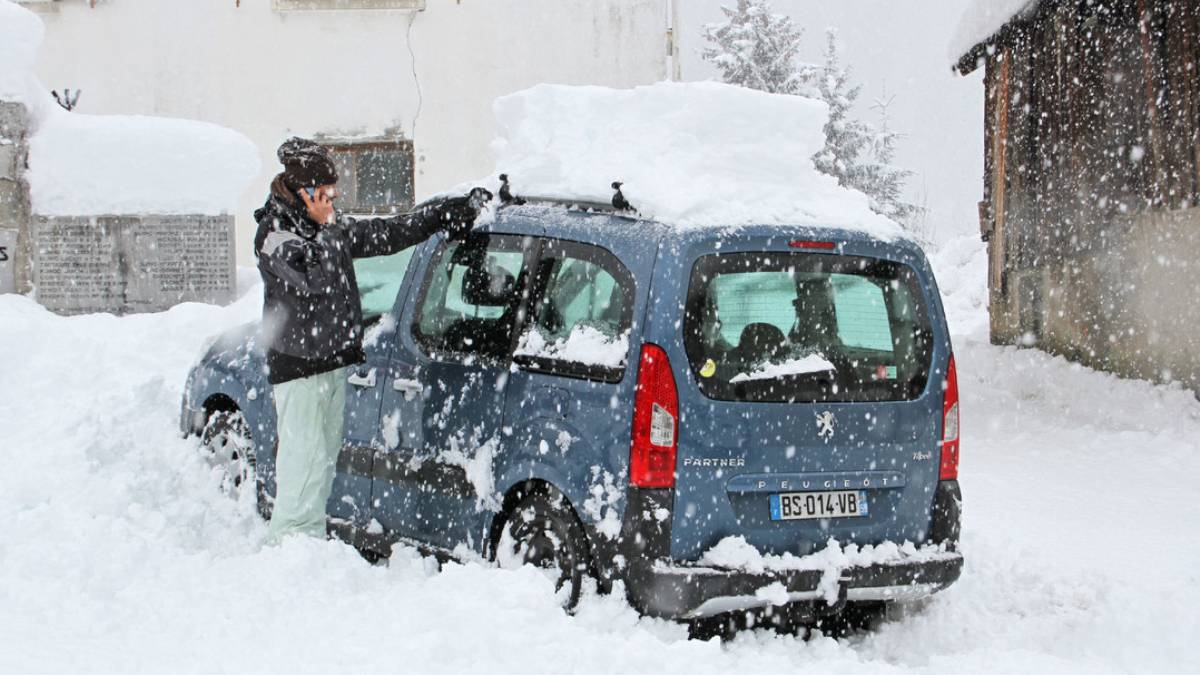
(982, 19)
(85, 165)
(689, 154)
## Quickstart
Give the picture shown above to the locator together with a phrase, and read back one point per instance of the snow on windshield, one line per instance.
(812, 363)
(584, 344)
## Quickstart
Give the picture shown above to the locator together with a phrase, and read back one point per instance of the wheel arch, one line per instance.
(513, 496)
(219, 402)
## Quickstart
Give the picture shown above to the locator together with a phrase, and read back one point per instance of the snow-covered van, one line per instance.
(721, 418)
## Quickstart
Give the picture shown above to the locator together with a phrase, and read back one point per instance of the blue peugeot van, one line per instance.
(596, 393)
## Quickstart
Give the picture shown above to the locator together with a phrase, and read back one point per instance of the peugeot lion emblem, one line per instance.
(825, 425)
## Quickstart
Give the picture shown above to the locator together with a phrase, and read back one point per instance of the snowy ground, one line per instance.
(117, 553)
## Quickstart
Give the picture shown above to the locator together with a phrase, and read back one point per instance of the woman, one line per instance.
(312, 317)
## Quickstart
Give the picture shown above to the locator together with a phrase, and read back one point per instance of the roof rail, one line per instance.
(619, 206)
(576, 205)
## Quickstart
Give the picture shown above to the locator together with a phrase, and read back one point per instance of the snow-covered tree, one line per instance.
(758, 49)
(847, 140)
(858, 154)
(883, 181)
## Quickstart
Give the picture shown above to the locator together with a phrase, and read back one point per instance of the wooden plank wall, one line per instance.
(1092, 115)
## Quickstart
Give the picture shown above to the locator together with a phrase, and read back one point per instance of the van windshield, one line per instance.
(804, 327)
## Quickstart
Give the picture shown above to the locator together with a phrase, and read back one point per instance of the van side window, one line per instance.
(379, 281)
(471, 296)
(582, 313)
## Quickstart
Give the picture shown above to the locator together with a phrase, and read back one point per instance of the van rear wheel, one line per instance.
(543, 531)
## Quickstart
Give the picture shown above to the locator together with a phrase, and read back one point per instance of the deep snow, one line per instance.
(118, 553)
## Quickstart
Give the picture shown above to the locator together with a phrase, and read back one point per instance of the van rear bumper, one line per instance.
(691, 592)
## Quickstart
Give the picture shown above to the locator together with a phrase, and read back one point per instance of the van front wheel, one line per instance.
(543, 531)
(229, 448)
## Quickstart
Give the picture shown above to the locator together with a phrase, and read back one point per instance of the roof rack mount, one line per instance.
(619, 204)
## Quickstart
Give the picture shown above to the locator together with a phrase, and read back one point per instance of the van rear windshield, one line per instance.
(805, 327)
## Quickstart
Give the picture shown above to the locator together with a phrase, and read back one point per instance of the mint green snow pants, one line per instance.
(309, 412)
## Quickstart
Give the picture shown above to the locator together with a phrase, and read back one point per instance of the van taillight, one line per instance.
(949, 469)
(655, 422)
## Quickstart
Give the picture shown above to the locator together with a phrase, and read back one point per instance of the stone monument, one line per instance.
(118, 263)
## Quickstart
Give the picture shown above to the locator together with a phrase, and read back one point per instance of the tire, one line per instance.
(542, 530)
(228, 446)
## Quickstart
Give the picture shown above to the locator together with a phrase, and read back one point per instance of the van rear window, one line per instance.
(806, 327)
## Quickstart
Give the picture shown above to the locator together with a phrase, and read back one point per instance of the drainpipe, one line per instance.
(672, 61)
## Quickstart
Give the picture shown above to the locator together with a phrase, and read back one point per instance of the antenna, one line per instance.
(67, 100)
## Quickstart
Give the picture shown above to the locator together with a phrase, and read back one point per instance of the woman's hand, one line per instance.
(320, 205)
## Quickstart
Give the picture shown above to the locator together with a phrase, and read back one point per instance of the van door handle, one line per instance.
(359, 379)
(409, 388)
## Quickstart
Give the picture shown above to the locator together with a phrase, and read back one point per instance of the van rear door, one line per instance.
(806, 405)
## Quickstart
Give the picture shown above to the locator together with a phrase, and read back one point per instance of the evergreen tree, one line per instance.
(883, 182)
(757, 49)
(857, 154)
(846, 139)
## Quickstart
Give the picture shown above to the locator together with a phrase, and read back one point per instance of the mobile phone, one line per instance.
(312, 192)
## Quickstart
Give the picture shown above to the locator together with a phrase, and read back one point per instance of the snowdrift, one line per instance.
(121, 554)
(86, 165)
(690, 154)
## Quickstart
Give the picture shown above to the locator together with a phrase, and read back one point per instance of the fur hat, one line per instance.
(306, 164)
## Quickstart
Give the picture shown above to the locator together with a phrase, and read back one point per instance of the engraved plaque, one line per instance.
(133, 263)
(76, 267)
(177, 259)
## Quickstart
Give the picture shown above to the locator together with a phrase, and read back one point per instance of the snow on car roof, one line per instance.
(691, 155)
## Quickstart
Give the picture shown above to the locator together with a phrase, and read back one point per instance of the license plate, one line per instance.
(805, 505)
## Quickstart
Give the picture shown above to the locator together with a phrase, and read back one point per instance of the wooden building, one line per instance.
(1091, 195)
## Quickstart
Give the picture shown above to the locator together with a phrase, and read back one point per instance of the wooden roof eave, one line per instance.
(968, 62)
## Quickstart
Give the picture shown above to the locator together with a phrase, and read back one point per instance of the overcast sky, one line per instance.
(898, 47)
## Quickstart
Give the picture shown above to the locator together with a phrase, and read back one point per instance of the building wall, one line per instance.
(1092, 185)
(14, 198)
(270, 73)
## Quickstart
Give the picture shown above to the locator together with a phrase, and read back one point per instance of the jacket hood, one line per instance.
(278, 214)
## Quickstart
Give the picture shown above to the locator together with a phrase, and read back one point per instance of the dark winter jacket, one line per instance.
(312, 314)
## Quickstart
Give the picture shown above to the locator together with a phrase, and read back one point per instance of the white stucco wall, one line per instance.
(271, 74)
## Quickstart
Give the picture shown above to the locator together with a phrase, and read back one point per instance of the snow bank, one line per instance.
(961, 266)
(982, 19)
(120, 554)
(84, 165)
(87, 165)
(698, 153)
